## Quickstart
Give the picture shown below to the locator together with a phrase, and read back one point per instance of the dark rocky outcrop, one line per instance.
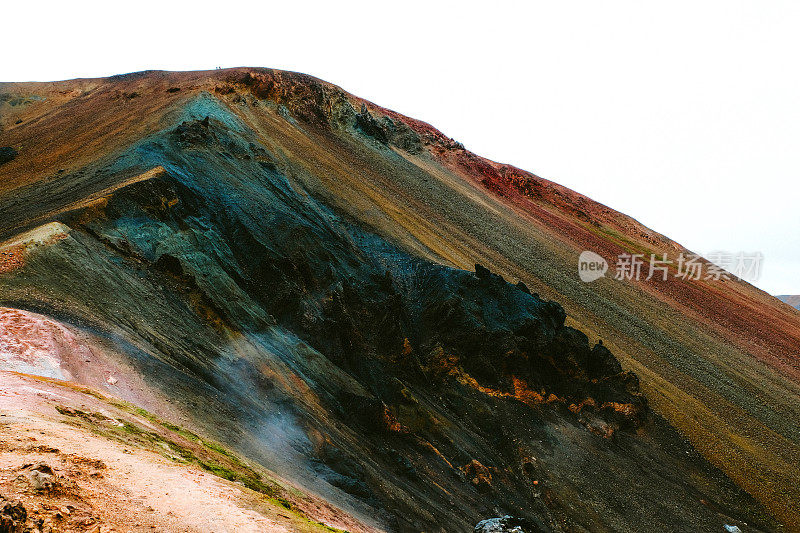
(13, 516)
(7, 153)
(388, 131)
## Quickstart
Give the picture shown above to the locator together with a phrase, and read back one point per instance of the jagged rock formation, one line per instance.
(329, 335)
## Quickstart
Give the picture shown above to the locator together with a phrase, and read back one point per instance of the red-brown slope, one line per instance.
(735, 309)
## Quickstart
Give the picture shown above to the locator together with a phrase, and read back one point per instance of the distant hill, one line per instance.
(791, 299)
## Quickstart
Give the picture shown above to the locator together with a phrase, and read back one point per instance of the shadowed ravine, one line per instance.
(292, 272)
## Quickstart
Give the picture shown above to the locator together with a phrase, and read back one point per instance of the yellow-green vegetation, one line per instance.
(617, 238)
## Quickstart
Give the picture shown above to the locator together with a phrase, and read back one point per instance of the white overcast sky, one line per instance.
(684, 115)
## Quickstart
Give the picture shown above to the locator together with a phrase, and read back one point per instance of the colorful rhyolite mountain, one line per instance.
(257, 294)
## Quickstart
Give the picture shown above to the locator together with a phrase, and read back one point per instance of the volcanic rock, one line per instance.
(7, 154)
(13, 516)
